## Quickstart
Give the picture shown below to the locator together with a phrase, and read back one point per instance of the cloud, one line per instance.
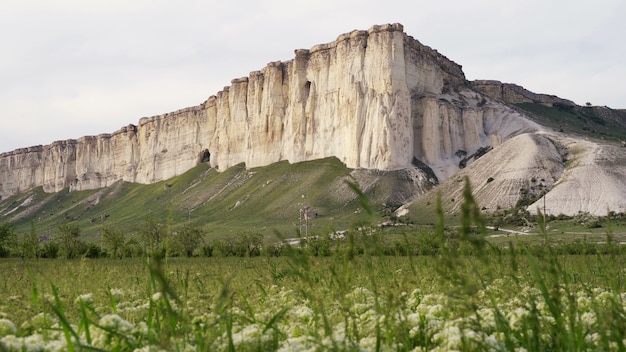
(71, 68)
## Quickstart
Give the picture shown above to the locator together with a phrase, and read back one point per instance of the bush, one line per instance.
(94, 251)
(50, 250)
(208, 249)
(273, 249)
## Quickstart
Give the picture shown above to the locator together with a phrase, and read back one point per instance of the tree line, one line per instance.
(151, 238)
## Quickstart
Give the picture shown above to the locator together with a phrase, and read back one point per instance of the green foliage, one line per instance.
(29, 246)
(153, 234)
(114, 241)
(8, 238)
(94, 251)
(189, 238)
(244, 245)
(580, 120)
(50, 250)
(67, 237)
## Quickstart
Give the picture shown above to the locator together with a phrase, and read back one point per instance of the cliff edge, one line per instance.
(375, 99)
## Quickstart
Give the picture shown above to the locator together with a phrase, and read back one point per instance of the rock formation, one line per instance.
(514, 94)
(375, 99)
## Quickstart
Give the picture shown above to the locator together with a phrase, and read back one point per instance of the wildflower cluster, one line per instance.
(280, 318)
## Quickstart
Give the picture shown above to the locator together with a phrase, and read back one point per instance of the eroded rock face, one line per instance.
(514, 94)
(593, 183)
(375, 99)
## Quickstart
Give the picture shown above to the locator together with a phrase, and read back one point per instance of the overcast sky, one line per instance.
(70, 68)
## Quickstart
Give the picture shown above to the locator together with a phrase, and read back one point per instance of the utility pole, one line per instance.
(306, 223)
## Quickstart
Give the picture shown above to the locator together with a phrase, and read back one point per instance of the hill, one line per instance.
(260, 200)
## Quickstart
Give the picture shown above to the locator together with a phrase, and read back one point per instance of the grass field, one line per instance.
(478, 299)
(407, 288)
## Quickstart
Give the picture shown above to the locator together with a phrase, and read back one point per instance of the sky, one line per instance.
(70, 68)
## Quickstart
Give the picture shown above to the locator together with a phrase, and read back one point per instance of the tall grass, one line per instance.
(465, 295)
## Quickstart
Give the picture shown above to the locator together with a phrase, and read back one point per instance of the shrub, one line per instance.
(94, 251)
(50, 250)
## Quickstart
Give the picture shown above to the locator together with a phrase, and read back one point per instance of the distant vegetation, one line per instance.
(596, 122)
(158, 235)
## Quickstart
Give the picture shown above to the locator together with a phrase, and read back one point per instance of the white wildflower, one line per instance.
(299, 343)
(40, 321)
(250, 334)
(593, 339)
(604, 297)
(415, 297)
(34, 342)
(516, 316)
(583, 301)
(157, 296)
(450, 337)
(30, 343)
(142, 329)
(588, 319)
(117, 293)
(431, 311)
(494, 342)
(12, 343)
(486, 317)
(368, 343)
(7, 327)
(302, 313)
(56, 345)
(115, 323)
(86, 299)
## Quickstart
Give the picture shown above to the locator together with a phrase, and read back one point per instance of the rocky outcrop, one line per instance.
(375, 99)
(448, 129)
(514, 94)
(592, 183)
(528, 163)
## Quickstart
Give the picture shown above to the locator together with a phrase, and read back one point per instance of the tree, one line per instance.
(190, 238)
(29, 247)
(7, 238)
(113, 240)
(67, 237)
(152, 234)
(249, 244)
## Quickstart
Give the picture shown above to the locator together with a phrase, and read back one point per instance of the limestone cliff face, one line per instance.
(446, 132)
(375, 99)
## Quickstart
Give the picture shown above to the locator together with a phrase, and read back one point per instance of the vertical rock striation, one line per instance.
(375, 99)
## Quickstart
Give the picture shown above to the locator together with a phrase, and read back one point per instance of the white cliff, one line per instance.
(375, 99)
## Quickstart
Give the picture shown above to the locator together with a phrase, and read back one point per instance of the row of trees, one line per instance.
(151, 238)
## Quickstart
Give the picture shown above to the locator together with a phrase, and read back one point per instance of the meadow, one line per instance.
(441, 290)
(483, 299)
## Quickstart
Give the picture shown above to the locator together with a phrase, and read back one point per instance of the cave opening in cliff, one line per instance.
(306, 90)
(205, 156)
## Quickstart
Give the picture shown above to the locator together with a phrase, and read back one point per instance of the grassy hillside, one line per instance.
(593, 121)
(264, 200)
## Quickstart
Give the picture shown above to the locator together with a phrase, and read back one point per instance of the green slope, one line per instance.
(593, 121)
(264, 200)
